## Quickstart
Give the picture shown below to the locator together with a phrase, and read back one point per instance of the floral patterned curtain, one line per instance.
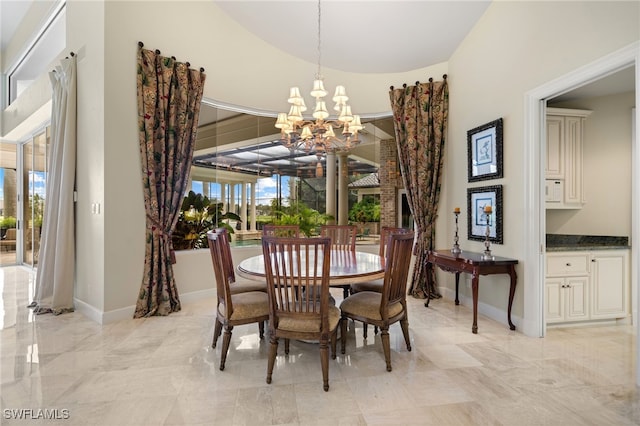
(420, 116)
(169, 96)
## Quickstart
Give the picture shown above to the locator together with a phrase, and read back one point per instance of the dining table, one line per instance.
(347, 267)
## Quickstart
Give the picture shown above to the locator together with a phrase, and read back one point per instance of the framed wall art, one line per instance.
(477, 201)
(484, 151)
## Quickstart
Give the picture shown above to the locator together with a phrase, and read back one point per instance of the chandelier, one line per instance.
(318, 135)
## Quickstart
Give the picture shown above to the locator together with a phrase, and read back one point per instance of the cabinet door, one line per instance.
(610, 285)
(554, 300)
(573, 191)
(576, 292)
(555, 150)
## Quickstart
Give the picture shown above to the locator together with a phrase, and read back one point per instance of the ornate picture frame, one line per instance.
(477, 199)
(484, 151)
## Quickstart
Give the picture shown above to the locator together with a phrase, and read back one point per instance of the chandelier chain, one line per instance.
(319, 75)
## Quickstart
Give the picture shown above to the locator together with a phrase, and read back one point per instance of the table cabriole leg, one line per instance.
(512, 292)
(474, 288)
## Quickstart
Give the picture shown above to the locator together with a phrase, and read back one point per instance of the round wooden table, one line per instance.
(346, 267)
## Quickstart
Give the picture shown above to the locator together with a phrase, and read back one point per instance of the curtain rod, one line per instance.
(141, 45)
(444, 77)
(66, 57)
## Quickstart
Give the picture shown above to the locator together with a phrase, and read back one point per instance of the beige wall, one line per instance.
(607, 170)
(516, 47)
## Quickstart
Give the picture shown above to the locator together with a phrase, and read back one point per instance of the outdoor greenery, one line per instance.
(197, 216)
(7, 222)
(298, 213)
(366, 210)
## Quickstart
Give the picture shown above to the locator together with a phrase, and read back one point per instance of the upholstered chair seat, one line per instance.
(297, 324)
(247, 305)
(366, 304)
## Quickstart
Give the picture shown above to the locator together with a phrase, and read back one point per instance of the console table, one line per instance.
(474, 264)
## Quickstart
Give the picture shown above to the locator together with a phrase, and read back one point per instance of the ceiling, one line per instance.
(352, 30)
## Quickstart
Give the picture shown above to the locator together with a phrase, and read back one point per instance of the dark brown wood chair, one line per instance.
(281, 231)
(385, 234)
(236, 285)
(233, 309)
(389, 306)
(343, 238)
(376, 285)
(297, 271)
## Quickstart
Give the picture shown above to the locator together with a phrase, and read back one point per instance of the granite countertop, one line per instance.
(565, 242)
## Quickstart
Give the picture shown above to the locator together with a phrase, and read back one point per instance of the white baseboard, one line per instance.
(127, 312)
(483, 309)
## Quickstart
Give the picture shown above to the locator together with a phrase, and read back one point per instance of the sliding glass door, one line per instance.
(23, 175)
(33, 187)
(8, 203)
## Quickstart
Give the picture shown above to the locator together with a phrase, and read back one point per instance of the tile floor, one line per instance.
(162, 371)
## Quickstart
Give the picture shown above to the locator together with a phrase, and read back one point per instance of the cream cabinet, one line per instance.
(586, 285)
(564, 162)
(610, 284)
(567, 287)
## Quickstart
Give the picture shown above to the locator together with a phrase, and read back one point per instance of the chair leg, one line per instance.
(365, 326)
(226, 339)
(345, 291)
(404, 323)
(334, 338)
(273, 351)
(286, 346)
(217, 330)
(386, 346)
(324, 361)
(343, 333)
(261, 329)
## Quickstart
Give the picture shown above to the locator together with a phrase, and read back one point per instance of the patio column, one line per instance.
(223, 196)
(343, 189)
(243, 207)
(253, 206)
(330, 186)
(205, 188)
(232, 200)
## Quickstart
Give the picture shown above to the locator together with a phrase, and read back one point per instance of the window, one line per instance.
(46, 46)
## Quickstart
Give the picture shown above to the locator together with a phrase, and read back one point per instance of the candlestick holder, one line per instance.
(487, 244)
(456, 246)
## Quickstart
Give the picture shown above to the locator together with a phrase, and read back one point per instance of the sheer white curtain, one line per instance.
(56, 263)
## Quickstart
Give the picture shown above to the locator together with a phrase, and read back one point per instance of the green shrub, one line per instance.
(8, 222)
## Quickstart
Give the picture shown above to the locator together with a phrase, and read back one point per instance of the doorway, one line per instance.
(535, 111)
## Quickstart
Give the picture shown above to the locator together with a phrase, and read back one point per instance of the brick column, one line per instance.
(390, 182)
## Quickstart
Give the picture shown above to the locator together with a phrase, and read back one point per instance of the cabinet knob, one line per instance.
(568, 264)
(593, 260)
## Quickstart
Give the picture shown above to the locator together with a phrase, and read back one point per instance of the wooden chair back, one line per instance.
(297, 272)
(397, 261)
(281, 231)
(385, 233)
(217, 248)
(227, 260)
(343, 237)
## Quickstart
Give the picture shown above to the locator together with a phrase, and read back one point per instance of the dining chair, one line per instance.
(376, 285)
(389, 306)
(343, 239)
(281, 230)
(385, 234)
(233, 309)
(235, 285)
(297, 270)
